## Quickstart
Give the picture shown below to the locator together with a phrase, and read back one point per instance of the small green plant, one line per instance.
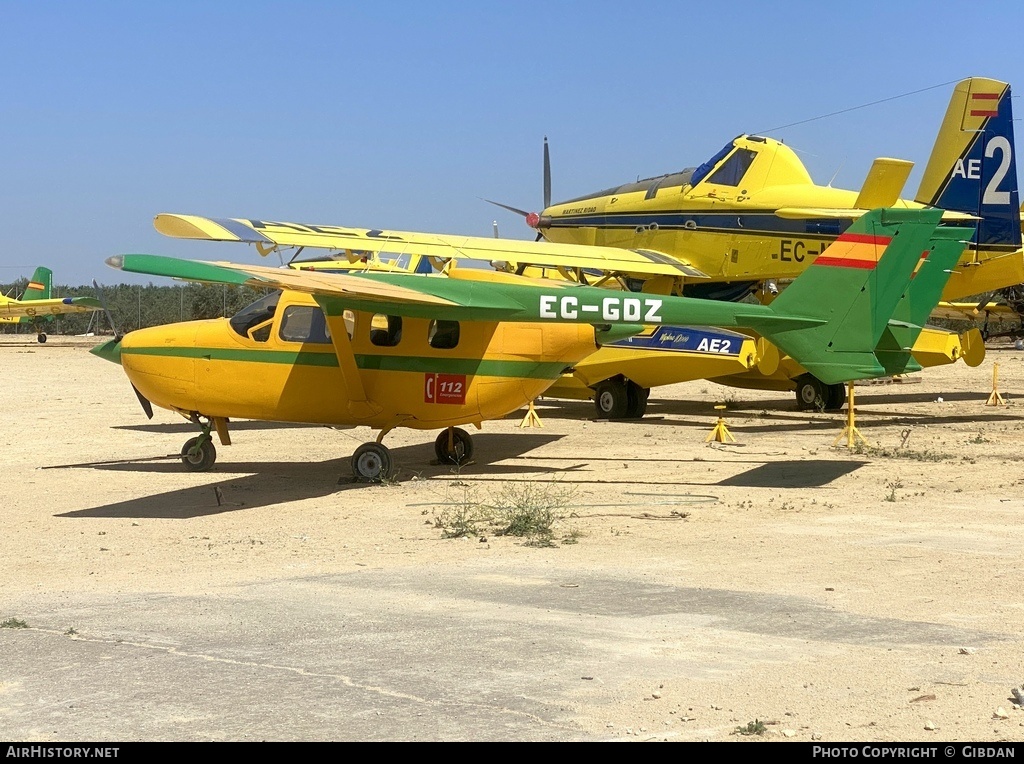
(900, 453)
(70, 632)
(893, 486)
(755, 727)
(979, 438)
(529, 510)
(526, 509)
(13, 623)
(572, 537)
(462, 516)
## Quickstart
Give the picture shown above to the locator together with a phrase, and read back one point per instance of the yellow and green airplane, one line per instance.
(752, 213)
(390, 350)
(36, 305)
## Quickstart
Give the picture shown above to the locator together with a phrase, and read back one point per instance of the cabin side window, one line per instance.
(386, 331)
(304, 323)
(443, 335)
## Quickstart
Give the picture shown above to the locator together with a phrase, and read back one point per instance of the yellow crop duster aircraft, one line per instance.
(36, 305)
(424, 351)
(752, 213)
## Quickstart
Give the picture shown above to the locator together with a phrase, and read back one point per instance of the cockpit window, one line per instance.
(255, 314)
(304, 323)
(734, 168)
(701, 172)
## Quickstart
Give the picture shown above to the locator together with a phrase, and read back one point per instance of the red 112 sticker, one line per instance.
(444, 388)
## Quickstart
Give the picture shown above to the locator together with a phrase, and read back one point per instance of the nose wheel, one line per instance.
(198, 454)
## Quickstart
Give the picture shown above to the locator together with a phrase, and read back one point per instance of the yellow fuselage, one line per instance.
(210, 368)
(742, 232)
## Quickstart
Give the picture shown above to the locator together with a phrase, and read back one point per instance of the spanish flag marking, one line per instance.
(924, 256)
(854, 250)
(36, 285)
(981, 111)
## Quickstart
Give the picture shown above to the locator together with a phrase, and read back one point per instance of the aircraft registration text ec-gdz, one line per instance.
(569, 308)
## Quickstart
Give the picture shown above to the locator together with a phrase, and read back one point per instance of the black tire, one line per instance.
(811, 393)
(461, 450)
(198, 459)
(836, 397)
(636, 397)
(611, 399)
(372, 463)
(41, 337)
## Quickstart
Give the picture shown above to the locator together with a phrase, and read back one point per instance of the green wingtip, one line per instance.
(109, 351)
(186, 270)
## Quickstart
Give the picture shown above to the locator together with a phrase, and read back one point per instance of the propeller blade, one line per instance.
(110, 318)
(146, 405)
(547, 175)
(516, 210)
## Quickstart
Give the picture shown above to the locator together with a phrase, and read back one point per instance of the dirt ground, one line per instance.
(832, 594)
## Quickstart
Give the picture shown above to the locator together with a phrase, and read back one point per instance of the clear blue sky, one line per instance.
(401, 115)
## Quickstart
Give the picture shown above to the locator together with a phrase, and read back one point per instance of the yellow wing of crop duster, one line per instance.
(355, 243)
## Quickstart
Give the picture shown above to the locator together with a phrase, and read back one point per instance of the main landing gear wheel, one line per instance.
(458, 450)
(198, 454)
(611, 399)
(619, 398)
(836, 397)
(41, 337)
(814, 395)
(637, 400)
(372, 462)
(811, 393)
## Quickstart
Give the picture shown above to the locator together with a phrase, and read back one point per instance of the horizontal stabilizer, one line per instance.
(884, 183)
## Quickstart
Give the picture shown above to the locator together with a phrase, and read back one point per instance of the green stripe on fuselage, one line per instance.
(467, 366)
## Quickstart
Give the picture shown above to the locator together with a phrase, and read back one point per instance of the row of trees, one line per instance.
(135, 306)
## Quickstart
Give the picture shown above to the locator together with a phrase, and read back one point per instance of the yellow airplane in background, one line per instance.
(36, 305)
(752, 213)
(425, 351)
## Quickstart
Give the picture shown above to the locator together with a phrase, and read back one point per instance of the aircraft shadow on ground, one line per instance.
(813, 473)
(282, 482)
(785, 474)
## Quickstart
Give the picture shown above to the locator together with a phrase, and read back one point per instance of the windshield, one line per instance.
(701, 172)
(254, 314)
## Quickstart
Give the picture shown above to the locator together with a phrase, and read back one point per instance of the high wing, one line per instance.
(37, 308)
(354, 243)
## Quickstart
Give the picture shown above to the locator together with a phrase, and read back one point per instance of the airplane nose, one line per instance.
(109, 351)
